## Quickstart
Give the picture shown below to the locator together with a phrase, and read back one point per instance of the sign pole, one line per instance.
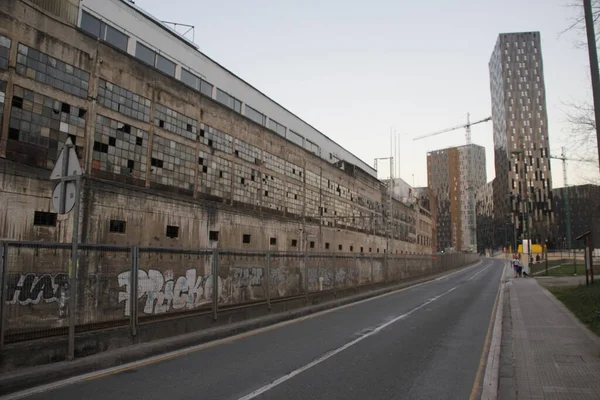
(65, 196)
(74, 272)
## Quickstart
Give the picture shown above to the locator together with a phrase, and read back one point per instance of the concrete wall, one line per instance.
(217, 160)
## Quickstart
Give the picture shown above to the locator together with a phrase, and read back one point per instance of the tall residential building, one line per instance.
(522, 188)
(454, 175)
(484, 211)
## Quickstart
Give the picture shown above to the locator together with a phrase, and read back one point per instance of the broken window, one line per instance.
(117, 226)
(172, 231)
(43, 218)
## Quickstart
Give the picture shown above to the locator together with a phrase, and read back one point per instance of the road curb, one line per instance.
(12, 382)
(491, 377)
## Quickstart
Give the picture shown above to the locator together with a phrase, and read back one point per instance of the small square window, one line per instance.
(273, 241)
(294, 243)
(246, 238)
(312, 245)
(340, 247)
(117, 226)
(213, 236)
(41, 218)
(327, 246)
(172, 231)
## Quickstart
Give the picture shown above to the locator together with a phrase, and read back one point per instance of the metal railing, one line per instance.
(120, 286)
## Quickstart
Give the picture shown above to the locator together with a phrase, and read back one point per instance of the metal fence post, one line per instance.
(357, 272)
(3, 289)
(133, 289)
(334, 275)
(215, 274)
(268, 278)
(306, 276)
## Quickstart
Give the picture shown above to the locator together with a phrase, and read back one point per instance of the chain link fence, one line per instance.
(129, 285)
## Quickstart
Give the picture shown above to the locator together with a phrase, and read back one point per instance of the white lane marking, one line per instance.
(176, 353)
(332, 353)
(480, 272)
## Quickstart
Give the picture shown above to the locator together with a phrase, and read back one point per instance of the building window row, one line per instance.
(154, 59)
(100, 30)
(108, 33)
(4, 51)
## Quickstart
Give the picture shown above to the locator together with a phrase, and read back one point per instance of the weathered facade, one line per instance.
(164, 164)
(454, 174)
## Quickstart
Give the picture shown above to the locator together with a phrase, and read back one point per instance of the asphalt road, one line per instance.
(424, 342)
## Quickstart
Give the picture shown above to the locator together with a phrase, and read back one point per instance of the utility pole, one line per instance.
(593, 54)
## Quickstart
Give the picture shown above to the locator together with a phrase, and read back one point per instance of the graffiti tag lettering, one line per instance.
(163, 292)
(31, 289)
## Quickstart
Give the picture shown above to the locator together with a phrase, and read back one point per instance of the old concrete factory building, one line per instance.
(454, 174)
(523, 183)
(176, 150)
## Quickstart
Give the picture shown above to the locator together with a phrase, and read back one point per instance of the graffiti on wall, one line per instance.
(165, 292)
(33, 289)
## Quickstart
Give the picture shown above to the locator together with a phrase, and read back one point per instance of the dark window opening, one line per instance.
(125, 128)
(361, 249)
(200, 160)
(201, 132)
(266, 193)
(66, 108)
(117, 226)
(351, 248)
(213, 236)
(155, 162)
(243, 181)
(327, 245)
(273, 241)
(378, 249)
(112, 141)
(237, 153)
(13, 133)
(220, 174)
(130, 164)
(17, 102)
(42, 218)
(161, 123)
(172, 231)
(205, 169)
(139, 141)
(210, 142)
(312, 245)
(81, 113)
(340, 247)
(246, 238)
(189, 127)
(294, 243)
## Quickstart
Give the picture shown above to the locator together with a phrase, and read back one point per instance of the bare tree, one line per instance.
(580, 114)
(577, 23)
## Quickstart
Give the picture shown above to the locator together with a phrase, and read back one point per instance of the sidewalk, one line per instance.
(547, 353)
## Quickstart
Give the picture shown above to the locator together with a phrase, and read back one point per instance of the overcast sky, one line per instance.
(354, 69)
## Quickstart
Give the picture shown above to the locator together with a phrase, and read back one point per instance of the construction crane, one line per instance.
(564, 159)
(470, 188)
(467, 128)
